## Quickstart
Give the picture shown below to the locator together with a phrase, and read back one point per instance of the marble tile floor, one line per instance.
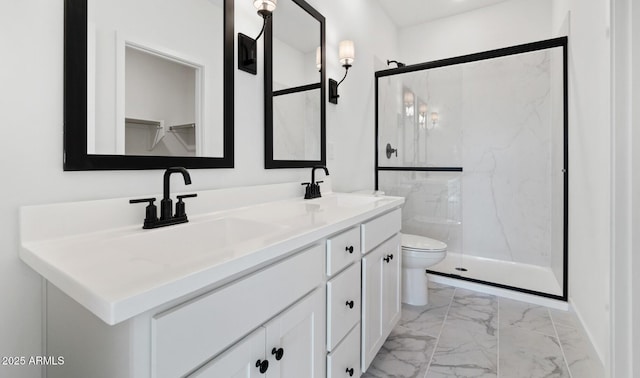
(463, 333)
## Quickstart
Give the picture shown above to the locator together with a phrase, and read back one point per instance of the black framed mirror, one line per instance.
(295, 76)
(118, 115)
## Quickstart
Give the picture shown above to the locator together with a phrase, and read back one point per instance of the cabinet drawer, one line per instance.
(343, 304)
(342, 250)
(345, 357)
(186, 336)
(380, 229)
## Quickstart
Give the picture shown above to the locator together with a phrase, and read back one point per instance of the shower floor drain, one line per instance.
(461, 269)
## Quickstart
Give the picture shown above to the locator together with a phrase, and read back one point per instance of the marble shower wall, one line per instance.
(501, 121)
(433, 203)
(421, 144)
(507, 158)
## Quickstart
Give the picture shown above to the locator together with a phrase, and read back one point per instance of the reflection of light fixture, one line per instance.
(319, 58)
(247, 59)
(422, 115)
(408, 100)
(346, 52)
(435, 117)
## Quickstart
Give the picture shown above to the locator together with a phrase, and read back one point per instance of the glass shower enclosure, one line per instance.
(478, 147)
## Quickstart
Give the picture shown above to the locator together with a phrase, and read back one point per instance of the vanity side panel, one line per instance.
(90, 347)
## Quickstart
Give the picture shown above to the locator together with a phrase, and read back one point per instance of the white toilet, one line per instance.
(418, 253)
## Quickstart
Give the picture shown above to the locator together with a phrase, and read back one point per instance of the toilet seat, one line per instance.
(421, 244)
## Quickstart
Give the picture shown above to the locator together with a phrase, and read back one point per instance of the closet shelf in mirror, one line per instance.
(156, 128)
(181, 127)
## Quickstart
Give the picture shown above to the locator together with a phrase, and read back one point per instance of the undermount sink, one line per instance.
(192, 239)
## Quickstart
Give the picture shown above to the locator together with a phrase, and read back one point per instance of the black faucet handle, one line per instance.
(308, 190)
(319, 182)
(140, 200)
(180, 209)
(151, 212)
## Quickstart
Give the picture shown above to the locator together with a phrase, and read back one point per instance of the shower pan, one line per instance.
(477, 145)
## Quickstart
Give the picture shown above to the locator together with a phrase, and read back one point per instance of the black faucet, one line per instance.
(313, 189)
(167, 217)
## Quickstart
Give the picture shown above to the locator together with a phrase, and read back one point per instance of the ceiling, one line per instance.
(411, 12)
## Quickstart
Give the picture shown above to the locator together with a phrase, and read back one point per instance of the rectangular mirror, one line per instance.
(294, 87)
(148, 84)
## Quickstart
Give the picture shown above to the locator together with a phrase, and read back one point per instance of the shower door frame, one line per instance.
(497, 53)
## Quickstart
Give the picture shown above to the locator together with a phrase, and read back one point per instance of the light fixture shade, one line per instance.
(346, 52)
(435, 117)
(265, 5)
(319, 57)
(408, 98)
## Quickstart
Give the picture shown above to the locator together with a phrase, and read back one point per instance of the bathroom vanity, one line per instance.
(260, 282)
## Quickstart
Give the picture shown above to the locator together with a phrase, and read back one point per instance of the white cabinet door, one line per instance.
(372, 281)
(296, 340)
(381, 282)
(239, 361)
(391, 286)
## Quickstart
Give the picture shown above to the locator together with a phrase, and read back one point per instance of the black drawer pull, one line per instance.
(349, 248)
(350, 304)
(350, 371)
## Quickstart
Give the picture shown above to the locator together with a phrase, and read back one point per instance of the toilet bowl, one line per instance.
(418, 253)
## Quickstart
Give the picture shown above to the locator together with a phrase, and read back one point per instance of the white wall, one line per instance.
(589, 164)
(504, 24)
(625, 101)
(31, 114)
(634, 167)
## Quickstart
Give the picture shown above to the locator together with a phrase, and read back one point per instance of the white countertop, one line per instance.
(120, 272)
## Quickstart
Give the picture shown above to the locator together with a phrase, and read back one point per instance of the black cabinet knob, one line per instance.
(349, 249)
(386, 259)
(350, 371)
(350, 304)
(262, 366)
(279, 353)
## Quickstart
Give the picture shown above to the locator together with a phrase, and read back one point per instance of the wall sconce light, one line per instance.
(346, 51)
(435, 117)
(247, 52)
(408, 100)
(422, 115)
